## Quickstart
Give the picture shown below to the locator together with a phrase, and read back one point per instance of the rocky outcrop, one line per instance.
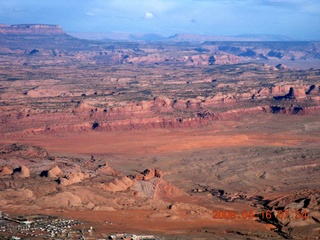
(24, 151)
(21, 172)
(167, 191)
(54, 172)
(223, 58)
(72, 178)
(281, 67)
(122, 184)
(117, 185)
(157, 188)
(147, 184)
(288, 91)
(107, 170)
(295, 215)
(150, 173)
(6, 170)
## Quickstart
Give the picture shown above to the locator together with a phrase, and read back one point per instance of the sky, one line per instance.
(297, 19)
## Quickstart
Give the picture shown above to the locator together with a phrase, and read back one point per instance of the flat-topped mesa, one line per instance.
(42, 29)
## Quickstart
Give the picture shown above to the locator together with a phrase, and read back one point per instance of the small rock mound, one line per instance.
(6, 170)
(106, 169)
(74, 177)
(150, 184)
(118, 185)
(54, 172)
(167, 191)
(148, 174)
(147, 184)
(162, 101)
(21, 172)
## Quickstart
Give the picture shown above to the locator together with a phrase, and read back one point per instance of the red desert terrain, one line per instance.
(174, 140)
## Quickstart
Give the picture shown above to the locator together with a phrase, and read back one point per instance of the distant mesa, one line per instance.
(244, 37)
(265, 37)
(36, 29)
(178, 38)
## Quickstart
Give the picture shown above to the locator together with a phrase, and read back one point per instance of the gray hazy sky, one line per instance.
(298, 19)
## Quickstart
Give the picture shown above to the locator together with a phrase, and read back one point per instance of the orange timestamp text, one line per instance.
(264, 215)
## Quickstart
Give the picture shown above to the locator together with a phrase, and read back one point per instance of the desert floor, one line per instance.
(267, 155)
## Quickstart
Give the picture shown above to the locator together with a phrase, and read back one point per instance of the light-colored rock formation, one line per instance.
(148, 174)
(151, 173)
(117, 185)
(72, 178)
(22, 172)
(6, 170)
(106, 169)
(55, 172)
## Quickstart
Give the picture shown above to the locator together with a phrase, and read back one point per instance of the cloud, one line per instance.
(148, 15)
(90, 14)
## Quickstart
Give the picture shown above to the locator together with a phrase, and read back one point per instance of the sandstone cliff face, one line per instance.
(289, 90)
(165, 112)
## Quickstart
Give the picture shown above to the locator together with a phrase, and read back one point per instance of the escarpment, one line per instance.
(121, 109)
(53, 82)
